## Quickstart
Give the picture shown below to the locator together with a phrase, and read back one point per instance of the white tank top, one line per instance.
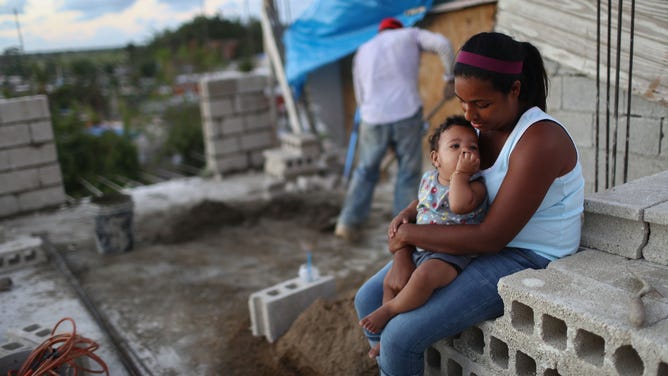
(554, 230)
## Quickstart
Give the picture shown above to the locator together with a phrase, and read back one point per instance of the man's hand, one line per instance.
(449, 90)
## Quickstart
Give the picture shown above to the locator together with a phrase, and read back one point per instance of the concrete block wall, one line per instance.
(570, 319)
(580, 315)
(236, 120)
(29, 169)
(572, 100)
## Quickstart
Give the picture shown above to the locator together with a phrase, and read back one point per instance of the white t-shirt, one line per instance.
(385, 72)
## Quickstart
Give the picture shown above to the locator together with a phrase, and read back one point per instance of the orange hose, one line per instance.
(60, 350)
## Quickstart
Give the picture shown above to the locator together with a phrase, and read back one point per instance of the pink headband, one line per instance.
(489, 63)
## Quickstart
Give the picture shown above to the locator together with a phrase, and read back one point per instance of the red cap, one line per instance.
(390, 23)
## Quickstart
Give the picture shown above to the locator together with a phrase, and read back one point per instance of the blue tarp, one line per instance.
(331, 29)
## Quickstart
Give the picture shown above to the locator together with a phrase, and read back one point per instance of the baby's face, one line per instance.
(453, 142)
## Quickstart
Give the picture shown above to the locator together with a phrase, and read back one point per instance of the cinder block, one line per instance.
(228, 163)
(33, 334)
(223, 146)
(211, 128)
(614, 219)
(5, 163)
(620, 236)
(32, 155)
(41, 198)
(273, 309)
(253, 101)
(232, 125)
(257, 121)
(442, 359)
(253, 82)
(304, 144)
(14, 135)
(257, 140)
(41, 131)
(21, 252)
(9, 205)
(24, 109)
(583, 321)
(50, 175)
(217, 107)
(19, 180)
(656, 249)
(13, 347)
(256, 159)
(285, 164)
(213, 87)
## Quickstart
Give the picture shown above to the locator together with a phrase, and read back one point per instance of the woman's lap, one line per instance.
(471, 298)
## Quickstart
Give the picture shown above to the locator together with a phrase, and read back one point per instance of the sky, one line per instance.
(54, 25)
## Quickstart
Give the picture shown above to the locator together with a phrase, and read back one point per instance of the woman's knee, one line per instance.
(364, 300)
(400, 353)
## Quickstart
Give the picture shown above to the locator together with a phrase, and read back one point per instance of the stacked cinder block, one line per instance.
(585, 314)
(237, 124)
(630, 220)
(298, 155)
(29, 169)
(273, 309)
(21, 252)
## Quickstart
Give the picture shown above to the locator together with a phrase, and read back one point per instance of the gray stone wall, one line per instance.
(30, 177)
(572, 100)
(236, 120)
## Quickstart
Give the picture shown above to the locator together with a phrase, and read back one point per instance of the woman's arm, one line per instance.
(544, 153)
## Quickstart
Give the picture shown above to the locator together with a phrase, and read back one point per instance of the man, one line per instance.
(385, 77)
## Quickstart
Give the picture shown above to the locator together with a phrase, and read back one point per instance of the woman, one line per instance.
(536, 192)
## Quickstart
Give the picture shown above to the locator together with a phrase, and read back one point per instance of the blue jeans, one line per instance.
(405, 137)
(471, 298)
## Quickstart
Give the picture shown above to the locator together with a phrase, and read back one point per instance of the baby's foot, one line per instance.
(375, 351)
(376, 320)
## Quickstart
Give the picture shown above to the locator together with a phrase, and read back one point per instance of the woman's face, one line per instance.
(486, 108)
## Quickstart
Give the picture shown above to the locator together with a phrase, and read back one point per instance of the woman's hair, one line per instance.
(501, 47)
(451, 121)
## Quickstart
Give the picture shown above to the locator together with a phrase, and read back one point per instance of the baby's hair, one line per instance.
(451, 121)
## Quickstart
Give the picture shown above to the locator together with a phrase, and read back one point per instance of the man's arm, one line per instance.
(440, 45)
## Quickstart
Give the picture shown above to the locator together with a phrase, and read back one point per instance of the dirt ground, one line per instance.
(179, 299)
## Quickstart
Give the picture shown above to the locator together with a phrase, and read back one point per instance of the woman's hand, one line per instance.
(395, 243)
(401, 270)
(405, 216)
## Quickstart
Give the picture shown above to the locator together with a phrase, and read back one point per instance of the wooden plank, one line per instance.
(566, 32)
(651, 15)
(272, 49)
(648, 79)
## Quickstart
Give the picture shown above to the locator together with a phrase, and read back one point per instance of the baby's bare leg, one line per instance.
(427, 277)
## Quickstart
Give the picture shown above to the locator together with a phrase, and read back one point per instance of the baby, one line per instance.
(452, 193)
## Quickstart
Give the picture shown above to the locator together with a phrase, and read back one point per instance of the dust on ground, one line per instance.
(180, 298)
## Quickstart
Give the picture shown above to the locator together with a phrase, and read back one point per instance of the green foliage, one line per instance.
(87, 86)
(246, 65)
(84, 156)
(184, 135)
